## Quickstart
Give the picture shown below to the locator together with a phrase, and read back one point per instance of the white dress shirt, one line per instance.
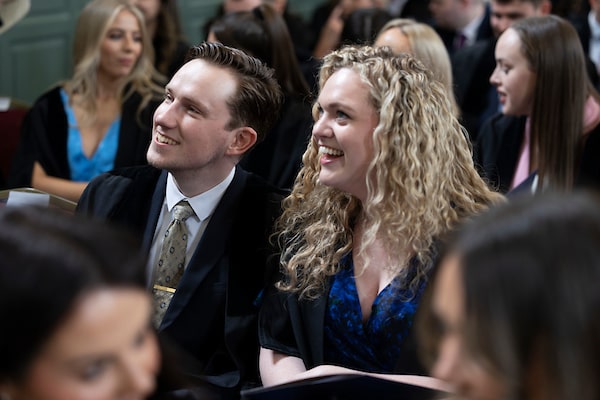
(203, 205)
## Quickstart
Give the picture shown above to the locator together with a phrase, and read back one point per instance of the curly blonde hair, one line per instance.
(422, 180)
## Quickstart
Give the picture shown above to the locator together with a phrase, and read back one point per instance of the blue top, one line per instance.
(374, 345)
(83, 169)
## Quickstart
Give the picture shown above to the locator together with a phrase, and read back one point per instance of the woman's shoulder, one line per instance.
(50, 95)
(49, 104)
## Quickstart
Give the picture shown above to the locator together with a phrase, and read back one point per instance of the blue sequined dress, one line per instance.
(374, 345)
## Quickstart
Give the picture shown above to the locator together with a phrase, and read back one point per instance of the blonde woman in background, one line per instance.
(409, 36)
(99, 119)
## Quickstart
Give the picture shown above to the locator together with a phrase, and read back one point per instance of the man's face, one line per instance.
(446, 13)
(191, 136)
(503, 15)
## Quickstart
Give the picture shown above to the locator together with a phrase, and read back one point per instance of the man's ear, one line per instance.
(244, 138)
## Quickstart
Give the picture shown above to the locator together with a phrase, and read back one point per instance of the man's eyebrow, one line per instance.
(336, 105)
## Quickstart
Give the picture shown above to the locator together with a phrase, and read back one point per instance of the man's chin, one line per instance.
(154, 160)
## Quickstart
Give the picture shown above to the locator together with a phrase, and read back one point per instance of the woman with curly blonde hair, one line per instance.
(388, 173)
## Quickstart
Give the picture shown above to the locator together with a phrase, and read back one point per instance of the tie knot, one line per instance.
(182, 211)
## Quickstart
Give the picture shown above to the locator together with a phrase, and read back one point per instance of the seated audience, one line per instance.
(99, 119)
(515, 307)
(419, 39)
(387, 174)
(548, 134)
(76, 311)
(162, 24)
(262, 33)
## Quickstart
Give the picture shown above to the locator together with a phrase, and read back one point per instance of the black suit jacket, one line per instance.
(496, 152)
(213, 314)
(472, 67)
(44, 136)
(484, 31)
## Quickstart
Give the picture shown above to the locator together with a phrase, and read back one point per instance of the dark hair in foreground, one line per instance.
(530, 272)
(48, 260)
(259, 98)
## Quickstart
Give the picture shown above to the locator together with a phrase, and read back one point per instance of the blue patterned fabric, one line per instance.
(374, 345)
(83, 169)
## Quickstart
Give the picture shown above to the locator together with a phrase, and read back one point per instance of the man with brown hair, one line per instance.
(217, 106)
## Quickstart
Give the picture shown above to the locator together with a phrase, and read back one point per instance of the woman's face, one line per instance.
(395, 39)
(343, 130)
(513, 78)
(105, 349)
(454, 364)
(121, 47)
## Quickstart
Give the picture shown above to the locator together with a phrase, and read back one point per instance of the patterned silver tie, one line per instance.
(171, 261)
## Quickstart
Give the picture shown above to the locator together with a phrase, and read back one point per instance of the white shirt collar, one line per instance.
(203, 204)
(470, 31)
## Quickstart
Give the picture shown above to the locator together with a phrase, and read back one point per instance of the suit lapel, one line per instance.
(158, 198)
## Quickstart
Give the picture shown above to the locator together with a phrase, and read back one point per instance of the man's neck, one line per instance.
(474, 13)
(193, 183)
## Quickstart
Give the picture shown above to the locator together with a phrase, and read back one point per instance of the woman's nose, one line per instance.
(321, 128)
(137, 381)
(446, 365)
(494, 77)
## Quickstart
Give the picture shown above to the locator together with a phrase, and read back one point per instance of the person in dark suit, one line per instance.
(216, 108)
(461, 23)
